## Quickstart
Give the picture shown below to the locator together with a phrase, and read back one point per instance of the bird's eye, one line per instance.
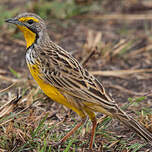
(30, 21)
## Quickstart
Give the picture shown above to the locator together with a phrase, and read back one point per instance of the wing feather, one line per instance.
(70, 77)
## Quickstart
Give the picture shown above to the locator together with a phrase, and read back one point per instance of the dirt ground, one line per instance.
(124, 48)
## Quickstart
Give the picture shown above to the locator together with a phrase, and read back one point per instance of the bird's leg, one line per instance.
(92, 116)
(94, 125)
(72, 131)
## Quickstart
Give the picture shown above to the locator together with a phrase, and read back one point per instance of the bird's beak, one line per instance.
(13, 21)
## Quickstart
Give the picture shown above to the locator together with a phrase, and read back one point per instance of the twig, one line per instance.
(117, 16)
(126, 90)
(2, 71)
(86, 59)
(36, 100)
(120, 73)
(8, 88)
(6, 108)
(148, 93)
(8, 79)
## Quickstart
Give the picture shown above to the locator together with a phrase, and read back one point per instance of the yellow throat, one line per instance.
(28, 35)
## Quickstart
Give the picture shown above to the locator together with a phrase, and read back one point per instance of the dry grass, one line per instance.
(29, 121)
(34, 122)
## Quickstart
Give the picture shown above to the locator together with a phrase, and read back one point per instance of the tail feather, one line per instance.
(134, 125)
(115, 112)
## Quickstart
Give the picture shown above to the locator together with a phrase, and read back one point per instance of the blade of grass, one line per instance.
(16, 74)
(41, 124)
(135, 147)
(69, 145)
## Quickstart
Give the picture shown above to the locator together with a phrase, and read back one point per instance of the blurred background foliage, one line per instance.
(60, 9)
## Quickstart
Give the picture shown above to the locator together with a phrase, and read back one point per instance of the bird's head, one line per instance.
(31, 25)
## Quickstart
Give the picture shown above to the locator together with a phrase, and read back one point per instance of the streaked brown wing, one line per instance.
(65, 73)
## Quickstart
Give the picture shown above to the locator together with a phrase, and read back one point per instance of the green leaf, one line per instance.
(16, 74)
(41, 124)
(69, 145)
(135, 147)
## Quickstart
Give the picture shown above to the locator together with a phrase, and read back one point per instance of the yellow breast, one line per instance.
(49, 90)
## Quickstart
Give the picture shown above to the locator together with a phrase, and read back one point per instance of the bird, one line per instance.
(63, 79)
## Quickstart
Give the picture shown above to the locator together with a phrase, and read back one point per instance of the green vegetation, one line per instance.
(35, 123)
(4, 13)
